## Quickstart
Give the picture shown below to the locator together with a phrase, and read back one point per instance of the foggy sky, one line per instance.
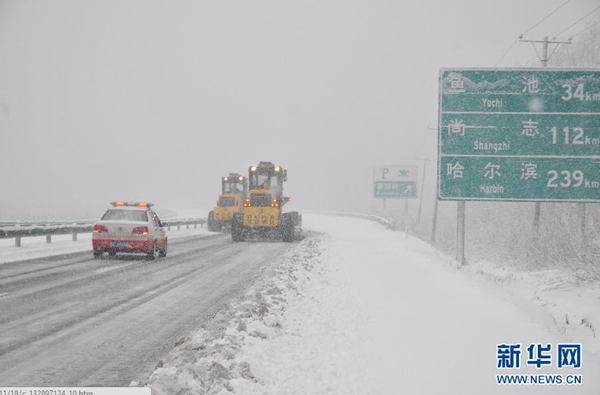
(156, 100)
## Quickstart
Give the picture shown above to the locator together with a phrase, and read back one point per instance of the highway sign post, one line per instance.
(519, 135)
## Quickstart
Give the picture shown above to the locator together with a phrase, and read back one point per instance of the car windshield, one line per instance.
(125, 215)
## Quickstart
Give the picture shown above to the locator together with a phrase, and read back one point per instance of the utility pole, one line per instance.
(460, 231)
(435, 206)
(406, 218)
(425, 160)
(434, 225)
(544, 59)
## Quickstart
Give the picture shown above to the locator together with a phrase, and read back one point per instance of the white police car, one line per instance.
(131, 228)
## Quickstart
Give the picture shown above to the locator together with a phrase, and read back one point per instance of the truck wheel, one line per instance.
(212, 224)
(97, 254)
(237, 228)
(288, 232)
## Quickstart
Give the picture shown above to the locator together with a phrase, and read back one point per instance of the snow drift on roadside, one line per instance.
(255, 347)
(362, 310)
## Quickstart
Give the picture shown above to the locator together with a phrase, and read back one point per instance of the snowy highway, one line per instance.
(72, 320)
(430, 170)
(359, 309)
(353, 308)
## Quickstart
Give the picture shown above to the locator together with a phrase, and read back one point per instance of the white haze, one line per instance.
(156, 100)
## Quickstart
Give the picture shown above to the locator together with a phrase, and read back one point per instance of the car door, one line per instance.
(159, 230)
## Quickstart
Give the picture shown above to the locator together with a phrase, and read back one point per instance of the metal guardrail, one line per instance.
(18, 230)
(387, 223)
(184, 221)
(46, 223)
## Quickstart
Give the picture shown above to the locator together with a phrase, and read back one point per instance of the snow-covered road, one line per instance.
(358, 309)
(428, 326)
(72, 320)
(354, 308)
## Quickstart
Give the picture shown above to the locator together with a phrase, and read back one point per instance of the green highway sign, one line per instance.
(519, 134)
(395, 182)
(523, 134)
(395, 189)
(518, 179)
(520, 90)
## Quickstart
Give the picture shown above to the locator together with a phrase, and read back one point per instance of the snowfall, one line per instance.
(356, 308)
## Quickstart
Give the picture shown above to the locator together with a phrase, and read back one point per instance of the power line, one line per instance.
(536, 56)
(587, 28)
(522, 34)
(590, 13)
(507, 51)
(546, 17)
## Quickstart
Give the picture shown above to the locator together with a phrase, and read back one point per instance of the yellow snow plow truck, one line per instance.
(234, 191)
(262, 214)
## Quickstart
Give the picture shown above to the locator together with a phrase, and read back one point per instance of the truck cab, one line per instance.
(234, 192)
(263, 208)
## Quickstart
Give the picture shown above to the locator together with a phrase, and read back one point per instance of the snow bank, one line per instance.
(573, 303)
(362, 310)
(254, 347)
